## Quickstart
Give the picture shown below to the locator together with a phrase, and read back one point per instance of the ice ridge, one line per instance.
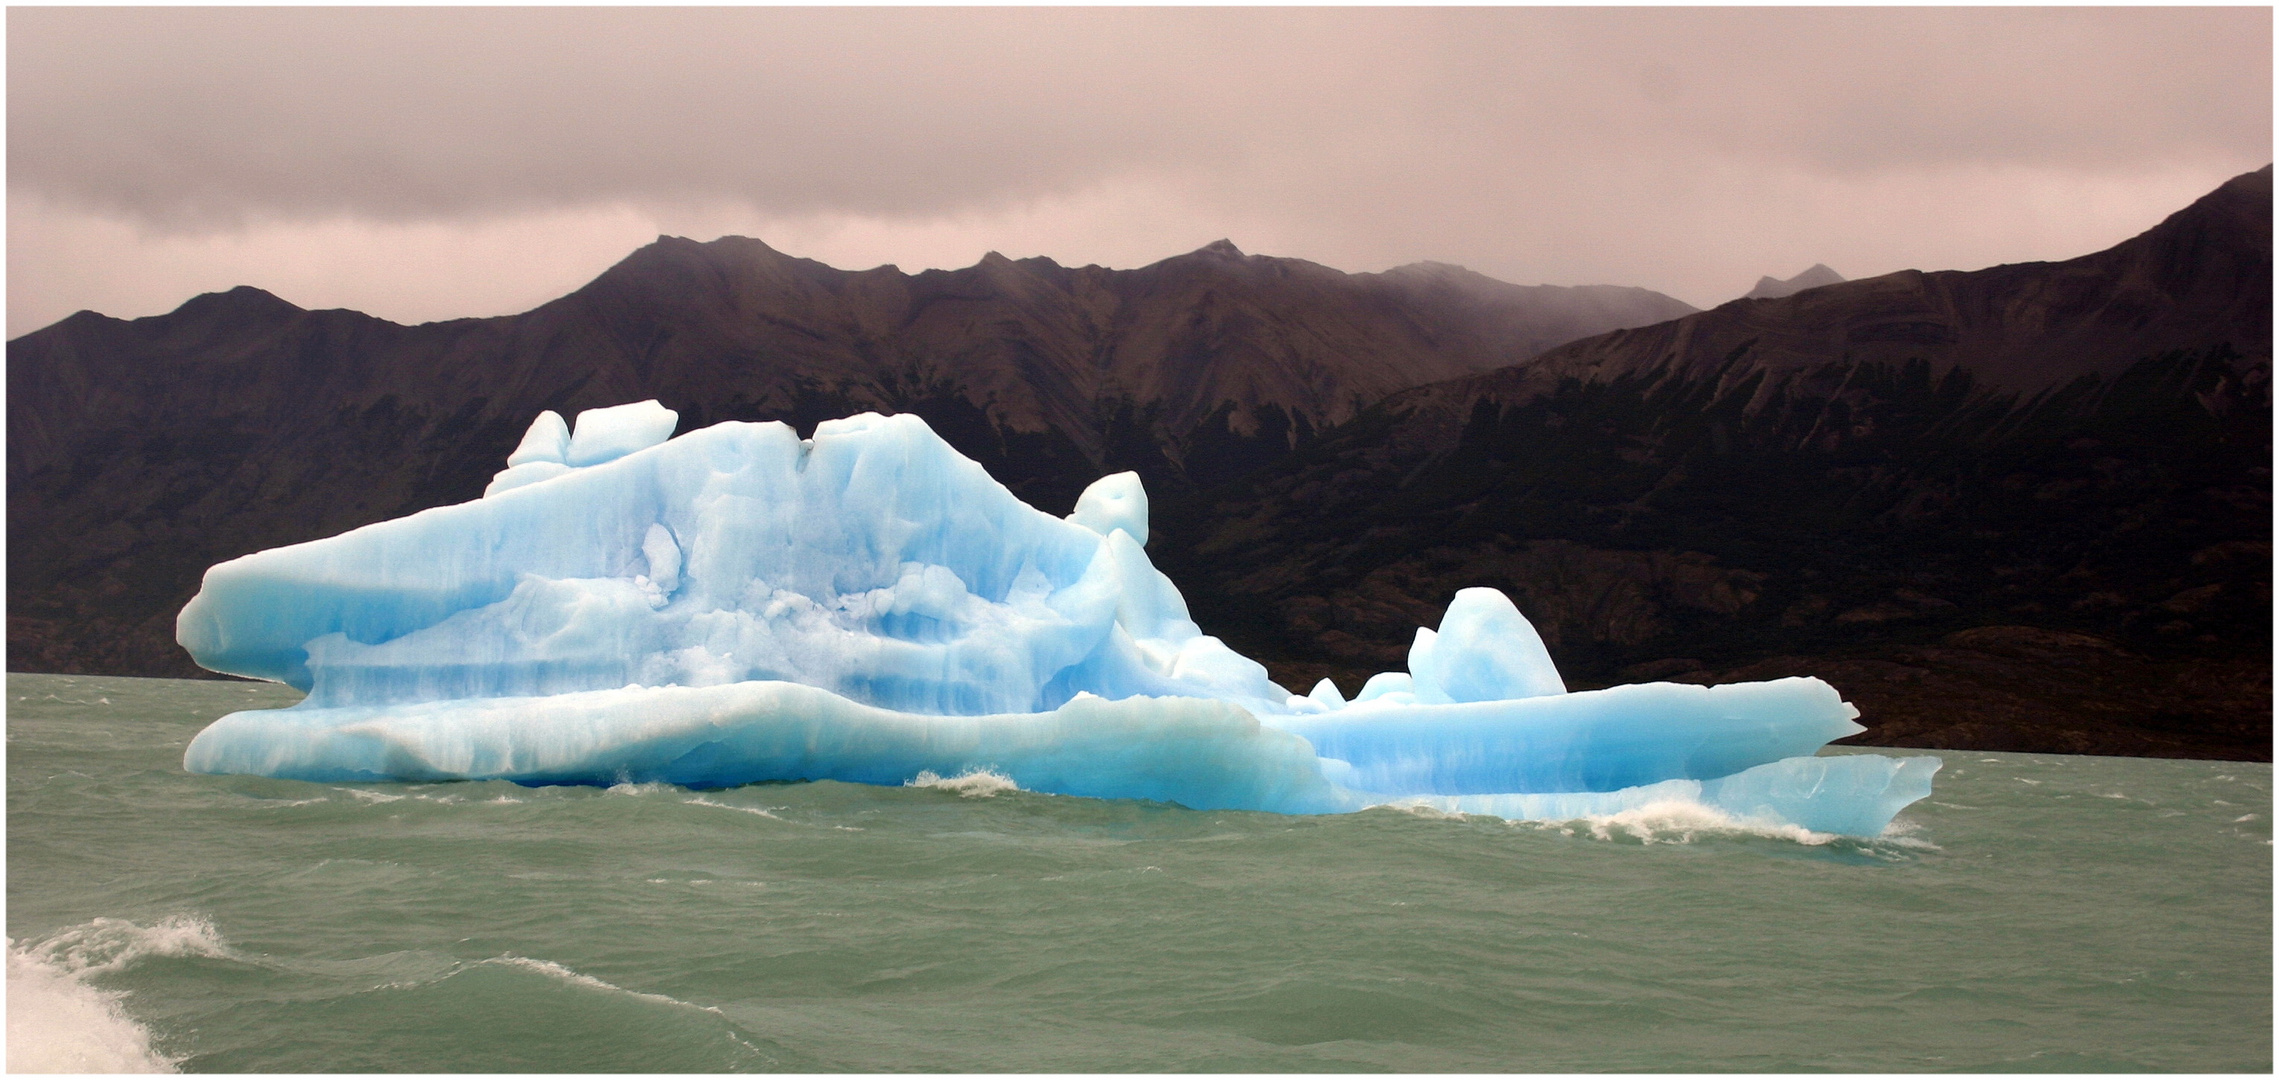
(738, 604)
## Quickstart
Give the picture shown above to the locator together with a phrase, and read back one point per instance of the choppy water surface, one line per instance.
(2040, 912)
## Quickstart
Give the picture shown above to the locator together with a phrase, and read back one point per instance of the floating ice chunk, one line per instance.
(611, 433)
(547, 440)
(738, 604)
(1852, 795)
(1603, 740)
(1485, 650)
(1112, 502)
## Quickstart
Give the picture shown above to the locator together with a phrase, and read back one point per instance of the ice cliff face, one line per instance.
(738, 604)
(871, 561)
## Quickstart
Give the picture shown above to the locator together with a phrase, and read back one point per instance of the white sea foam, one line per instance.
(627, 787)
(1679, 821)
(106, 945)
(552, 970)
(760, 811)
(972, 784)
(59, 1023)
(1663, 821)
(1902, 833)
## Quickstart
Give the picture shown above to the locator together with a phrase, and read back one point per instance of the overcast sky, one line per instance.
(427, 163)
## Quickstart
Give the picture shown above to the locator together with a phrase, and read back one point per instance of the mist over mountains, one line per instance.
(2024, 507)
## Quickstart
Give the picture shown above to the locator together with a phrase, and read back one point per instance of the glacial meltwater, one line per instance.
(2037, 912)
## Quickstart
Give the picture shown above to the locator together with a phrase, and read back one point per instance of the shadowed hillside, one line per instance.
(2025, 507)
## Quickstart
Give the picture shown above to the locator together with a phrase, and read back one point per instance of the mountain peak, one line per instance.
(672, 263)
(1221, 248)
(243, 302)
(1769, 287)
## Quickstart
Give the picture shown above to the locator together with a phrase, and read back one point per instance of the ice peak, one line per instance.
(611, 433)
(547, 440)
(1114, 502)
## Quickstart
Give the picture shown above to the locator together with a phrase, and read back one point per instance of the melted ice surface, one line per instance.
(738, 604)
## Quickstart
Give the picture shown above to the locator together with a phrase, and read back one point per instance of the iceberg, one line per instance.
(738, 604)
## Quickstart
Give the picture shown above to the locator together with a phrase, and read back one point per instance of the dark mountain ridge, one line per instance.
(2025, 507)
(141, 451)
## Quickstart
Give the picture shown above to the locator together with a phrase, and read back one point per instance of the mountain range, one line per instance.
(141, 451)
(2025, 507)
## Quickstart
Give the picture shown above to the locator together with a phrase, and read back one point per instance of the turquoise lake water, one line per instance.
(2038, 913)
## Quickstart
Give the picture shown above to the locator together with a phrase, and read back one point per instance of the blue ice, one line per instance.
(738, 604)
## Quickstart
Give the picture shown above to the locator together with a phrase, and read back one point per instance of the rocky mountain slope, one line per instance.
(2026, 507)
(140, 452)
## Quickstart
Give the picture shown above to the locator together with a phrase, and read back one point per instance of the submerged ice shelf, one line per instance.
(739, 604)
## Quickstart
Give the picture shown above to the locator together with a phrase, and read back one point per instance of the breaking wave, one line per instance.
(1678, 821)
(971, 784)
(59, 1022)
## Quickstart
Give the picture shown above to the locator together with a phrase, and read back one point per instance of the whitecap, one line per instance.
(101, 946)
(760, 811)
(1680, 821)
(971, 784)
(650, 788)
(1673, 821)
(59, 1023)
(552, 970)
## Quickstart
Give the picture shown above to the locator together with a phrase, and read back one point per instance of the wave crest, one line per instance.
(971, 784)
(58, 1022)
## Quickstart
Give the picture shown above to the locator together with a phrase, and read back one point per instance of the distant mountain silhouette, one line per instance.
(142, 451)
(2025, 507)
(1769, 287)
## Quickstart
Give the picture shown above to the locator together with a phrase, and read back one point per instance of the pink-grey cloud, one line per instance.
(356, 151)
